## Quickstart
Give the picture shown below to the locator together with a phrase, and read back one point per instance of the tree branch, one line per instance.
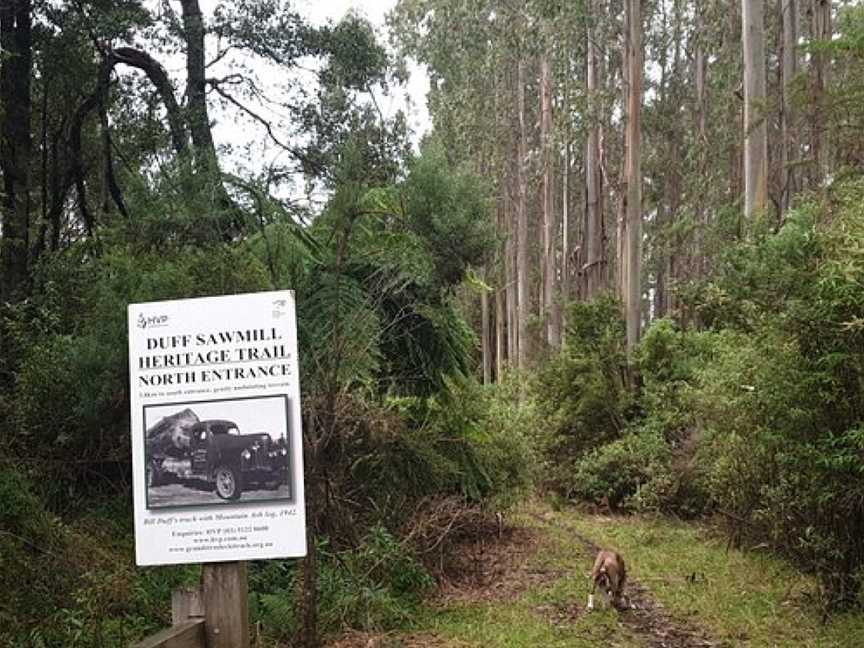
(159, 78)
(293, 150)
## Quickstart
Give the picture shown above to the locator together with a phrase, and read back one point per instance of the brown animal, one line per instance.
(610, 574)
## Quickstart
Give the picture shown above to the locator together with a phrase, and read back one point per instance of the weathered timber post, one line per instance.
(186, 604)
(224, 590)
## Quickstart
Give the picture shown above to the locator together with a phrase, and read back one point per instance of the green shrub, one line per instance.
(468, 440)
(780, 403)
(70, 392)
(75, 583)
(375, 586)
(582, 399)
(485, 452)
(633, 473)
(758, 416)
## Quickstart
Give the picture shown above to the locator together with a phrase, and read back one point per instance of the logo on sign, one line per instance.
(279, 306)
(153, 321)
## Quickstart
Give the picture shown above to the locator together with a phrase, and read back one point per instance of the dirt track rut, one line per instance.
(647, 616)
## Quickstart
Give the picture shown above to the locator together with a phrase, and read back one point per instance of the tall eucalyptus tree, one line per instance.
(755, 126)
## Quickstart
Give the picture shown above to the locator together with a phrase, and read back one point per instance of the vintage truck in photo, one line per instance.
(180, 448)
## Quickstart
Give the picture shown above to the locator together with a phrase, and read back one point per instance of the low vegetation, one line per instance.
(753, 411)
(698, 588)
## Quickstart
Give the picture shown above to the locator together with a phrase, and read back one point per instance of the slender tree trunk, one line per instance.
(623, 194)
(677, 260)
(501, 291)
(500, 316)
(820, 30)
(699, 73)
(633, 240)
(755, 127)
(663, 244)
(788, 147)
(510, 262)
(207, 168)
(565, 209)
(38, 246)
(565, 231)
(485, 341)
(196, 88)
(522, 287)
(699, 65)
(593, 243)
(15, 146)
(308, 604)
(661, 257)
(550, 225)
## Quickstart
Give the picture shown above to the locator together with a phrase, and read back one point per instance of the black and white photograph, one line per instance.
(217, 452)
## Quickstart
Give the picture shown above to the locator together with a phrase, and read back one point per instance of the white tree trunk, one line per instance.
(485, 342)
(633, 240)
(755, 127)
(593, 177)
(522, 296)
(565, 233)
(820, 30)
(500, 316)
(789, 67)
(550, 269)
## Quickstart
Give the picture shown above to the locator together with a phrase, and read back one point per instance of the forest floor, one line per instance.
(686, 588)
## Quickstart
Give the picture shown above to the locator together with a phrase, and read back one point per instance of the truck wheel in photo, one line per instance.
(227, 481)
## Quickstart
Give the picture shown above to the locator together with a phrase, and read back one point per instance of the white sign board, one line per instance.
(216, 440)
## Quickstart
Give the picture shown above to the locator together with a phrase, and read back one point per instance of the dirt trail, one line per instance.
(647, 617)
(503, 571)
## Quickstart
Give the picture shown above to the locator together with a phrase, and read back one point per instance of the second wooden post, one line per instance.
(225, 593)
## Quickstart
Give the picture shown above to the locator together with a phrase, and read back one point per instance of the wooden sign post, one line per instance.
(214, 397)
(225, 591)
(213, 615)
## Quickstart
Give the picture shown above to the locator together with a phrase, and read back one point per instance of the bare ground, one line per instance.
(499, 569)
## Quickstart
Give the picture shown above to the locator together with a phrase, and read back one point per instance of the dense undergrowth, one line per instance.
(396, 432)
(753, 411)
(424, 480)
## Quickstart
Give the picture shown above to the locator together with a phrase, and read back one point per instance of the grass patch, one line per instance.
(551, 614)
(739, 598)
(529, 622)
(746, 598)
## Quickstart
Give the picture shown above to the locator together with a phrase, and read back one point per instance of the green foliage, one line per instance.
(375, 586)
(74, 583)
(631, 473)
(481, 459)
(758, 416)
(468, 441)
(650, 464)
(380, 287)
(845, 88)
(779, 405)
(450, 209)
(581, 397)
(73, 349)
